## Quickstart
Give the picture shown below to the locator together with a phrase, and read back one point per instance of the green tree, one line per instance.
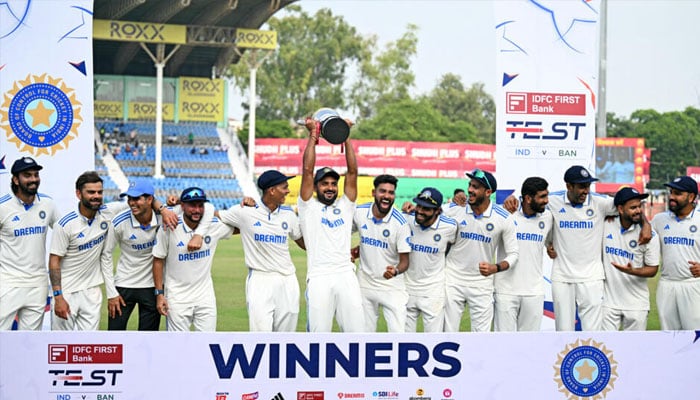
(385, 77)
(308, 70)
(472, 106)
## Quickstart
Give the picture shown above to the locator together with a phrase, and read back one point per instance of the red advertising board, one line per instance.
(545, 103)
(694, 172)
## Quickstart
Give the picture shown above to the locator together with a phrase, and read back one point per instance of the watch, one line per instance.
(159, 291)
(57, 292)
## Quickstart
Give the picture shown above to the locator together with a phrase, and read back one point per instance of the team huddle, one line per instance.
(422, 265)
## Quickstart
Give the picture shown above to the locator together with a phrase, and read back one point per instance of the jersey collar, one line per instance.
(487, 212)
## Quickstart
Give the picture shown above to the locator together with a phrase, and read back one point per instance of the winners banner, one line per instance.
(376, 366)
(547, 66)
(46, 96)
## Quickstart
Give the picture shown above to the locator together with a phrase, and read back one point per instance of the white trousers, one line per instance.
(85, 306)
(588, 296)
(334, 294)
(27, 303)
(273, 302)
(517, 313)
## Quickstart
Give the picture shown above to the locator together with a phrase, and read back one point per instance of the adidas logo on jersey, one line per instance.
(257, 224)
(364, 226)
(278, 396)
(80, 235)
(180, 244)
(562, 211)
(16, 218)
(463, 223)
(132, 237)
(609, 236)
(667, 227)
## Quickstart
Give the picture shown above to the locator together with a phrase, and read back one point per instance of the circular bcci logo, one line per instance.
(489, 227)
(633, 243)
(40, 114)
(42, 214)
(285, 225)
(589, 212)
(385, 233)
(693, 228)
(585, 369)
(336, 211)
(207, 239)
(541, 224)
(103, 225)
(437, 237)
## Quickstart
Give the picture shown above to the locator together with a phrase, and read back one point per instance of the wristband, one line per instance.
(498, 267)
(58, 292)
(159, 291)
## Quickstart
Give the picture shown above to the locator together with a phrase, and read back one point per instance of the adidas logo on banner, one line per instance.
(80, 235)
(16, 218)
(278, 396)
(257, 224)
(180, 244)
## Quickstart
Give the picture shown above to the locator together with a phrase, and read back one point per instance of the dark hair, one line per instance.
(457, 191)
(391, 179)
(87, 177)
(532, 185)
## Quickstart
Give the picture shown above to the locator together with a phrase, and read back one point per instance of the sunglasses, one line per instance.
(479, 174)
(193, 194)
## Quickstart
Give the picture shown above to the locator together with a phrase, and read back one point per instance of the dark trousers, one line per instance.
(149, 318)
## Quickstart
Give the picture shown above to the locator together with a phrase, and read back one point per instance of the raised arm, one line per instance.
(307, 175)
(350, 188)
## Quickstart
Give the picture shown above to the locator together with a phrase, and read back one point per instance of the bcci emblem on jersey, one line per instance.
(585, 368)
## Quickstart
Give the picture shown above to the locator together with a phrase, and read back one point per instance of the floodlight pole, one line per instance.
(159, 60)
(601, 112)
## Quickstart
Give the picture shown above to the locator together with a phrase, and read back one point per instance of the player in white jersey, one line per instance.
(326, 224)
(272, 288)
(483, 228)
(459, 201)
(431, 235)
(25, 216)
(519, 291)
(78, 261)
(185, 290)
(577, 272)
(678, 292)
(384, 250)
(628, 265)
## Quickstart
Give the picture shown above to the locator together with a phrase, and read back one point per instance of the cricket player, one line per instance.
(483, 227)
(628, 265)
(678, 292)
(384, 255)
(25, 216)
(78, 262)
(272, 288)
(459, 201)
(185, 291)
(519, 291)
(431, 235)
(326, 224)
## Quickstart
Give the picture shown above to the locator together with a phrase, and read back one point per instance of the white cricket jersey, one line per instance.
(680, 243)
(187, 276)
(135, 265)
(265, 236)
(81, 245)
(327, 232)
(624, 291)
(381, 242)
(578, 236)
(525, 276)
(452, 209)
(426, 271)
(478, 237)
(23, 231)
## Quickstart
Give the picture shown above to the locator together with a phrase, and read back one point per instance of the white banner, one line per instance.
(46, 98)
(302, 366)
(547, 65)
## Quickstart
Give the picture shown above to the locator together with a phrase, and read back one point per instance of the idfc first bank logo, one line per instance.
(63, 357)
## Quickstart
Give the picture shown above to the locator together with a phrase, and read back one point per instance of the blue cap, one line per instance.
(192, 194)
(272, 178)
(684, 184)
(325, 171)
(139, 188)
(429, 198)
(486, 179)
(578, 174)
(626, 194)
(23, 164)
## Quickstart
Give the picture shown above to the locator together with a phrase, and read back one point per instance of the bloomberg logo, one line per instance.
(380, 360)
(534, 130)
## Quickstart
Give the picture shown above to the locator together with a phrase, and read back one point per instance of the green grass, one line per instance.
(229, 274)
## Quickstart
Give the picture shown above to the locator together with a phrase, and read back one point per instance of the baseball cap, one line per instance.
(323, 172)
(24, 164)
(139, 188)
(626, 194)
(682, 183)
(578, 174)
(271, 178)
(485, 178)
(192, 194)
(429, 197)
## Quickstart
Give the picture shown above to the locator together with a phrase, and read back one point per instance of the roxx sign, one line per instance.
(255, 39)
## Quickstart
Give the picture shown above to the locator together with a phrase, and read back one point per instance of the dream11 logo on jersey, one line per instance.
(65, 375)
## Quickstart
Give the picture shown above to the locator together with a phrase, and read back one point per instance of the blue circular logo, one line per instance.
(285, 225)
(207, 239)
(386, 233)
(633, 243)
(336, 211)
(437, 237)
(42, 214)
(489, 227)
(43, 115)
(589, 212)
(585, 371)
(103, 225)
(541, 224)
(693, 228)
